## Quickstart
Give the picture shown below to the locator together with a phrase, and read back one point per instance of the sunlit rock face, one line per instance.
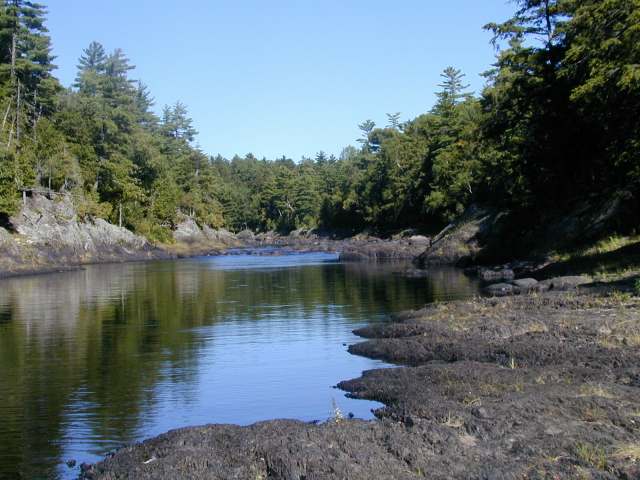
(48, 233)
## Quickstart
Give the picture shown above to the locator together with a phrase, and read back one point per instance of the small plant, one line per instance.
(452, 421)
(636, 287)
(628, 452)
(512, 364)
(620, 297)
(591, 455)
(594, 390)
(471, 401)
(338, 416)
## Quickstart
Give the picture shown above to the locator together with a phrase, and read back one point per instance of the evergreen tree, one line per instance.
(394, 120)
(452, 93)
(91, 65)
(26, 85)
(366, 128)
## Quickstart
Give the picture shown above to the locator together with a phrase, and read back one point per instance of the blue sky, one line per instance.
(284, 77)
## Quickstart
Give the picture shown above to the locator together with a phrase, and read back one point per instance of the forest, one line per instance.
(556, 123)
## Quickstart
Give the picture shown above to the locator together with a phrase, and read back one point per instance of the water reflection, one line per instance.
(94, 359)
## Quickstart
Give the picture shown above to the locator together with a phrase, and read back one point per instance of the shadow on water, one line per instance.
(94, 359)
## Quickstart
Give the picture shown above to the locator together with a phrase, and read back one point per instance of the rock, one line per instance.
(5, 238)
(553, 431)
(419, 240)
(564, 283)
(458, 243)
(480, 412)
(221, 235)
(378, 251)
(246, 236)
(301, 232)
(500, 289)
(495, 275)
(409, 232)
(53, 224)
(50, 235)
(188, 231)
(526, 285)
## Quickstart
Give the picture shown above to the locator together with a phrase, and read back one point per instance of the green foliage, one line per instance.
(557, 122)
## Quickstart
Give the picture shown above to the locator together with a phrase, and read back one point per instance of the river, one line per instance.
(98, 358)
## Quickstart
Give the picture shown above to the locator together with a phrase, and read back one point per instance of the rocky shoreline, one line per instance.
(538, 386)
(47, 236)
(538, 381)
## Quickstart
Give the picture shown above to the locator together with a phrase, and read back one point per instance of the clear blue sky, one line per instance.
(284, 77)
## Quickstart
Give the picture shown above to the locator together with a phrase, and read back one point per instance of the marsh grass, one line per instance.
(628, 452)
(592, 455)
(595, 390)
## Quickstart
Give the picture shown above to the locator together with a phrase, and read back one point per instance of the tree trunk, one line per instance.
(18, 115)
(13, 55)
(120, 215)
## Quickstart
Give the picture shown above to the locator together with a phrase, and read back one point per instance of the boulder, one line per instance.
(409, 232)
(565, 283)
(495, 275)
(221, 235)
(525, 285)
(188, 231)
(419, 240)
(5, 237)
(500, 289)
(246, 236)
(460, 242)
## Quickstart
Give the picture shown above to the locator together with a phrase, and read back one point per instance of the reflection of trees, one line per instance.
(91, 346)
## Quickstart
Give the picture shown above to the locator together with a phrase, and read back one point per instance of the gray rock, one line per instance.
(500, 289)
(245, 235)
(419, 240)
(188, 231)
(221, 235)
(495, 275)
(5, 237)
(459, 242)
(565, 283)
(525, 285)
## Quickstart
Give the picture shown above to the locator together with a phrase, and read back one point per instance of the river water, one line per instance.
(102, 357)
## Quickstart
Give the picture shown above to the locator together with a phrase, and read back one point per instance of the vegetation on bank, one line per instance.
(555, 124)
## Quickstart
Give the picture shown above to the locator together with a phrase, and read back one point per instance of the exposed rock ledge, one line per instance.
(49, 236)
(535, 387)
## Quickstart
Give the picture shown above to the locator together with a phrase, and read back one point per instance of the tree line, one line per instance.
(557, 122)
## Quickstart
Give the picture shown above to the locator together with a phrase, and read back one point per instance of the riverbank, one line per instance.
(48, 235)
(534, 386)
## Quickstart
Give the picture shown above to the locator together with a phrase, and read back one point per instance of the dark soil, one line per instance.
(542, 386)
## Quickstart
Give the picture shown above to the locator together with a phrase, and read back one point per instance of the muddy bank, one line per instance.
(536, 386)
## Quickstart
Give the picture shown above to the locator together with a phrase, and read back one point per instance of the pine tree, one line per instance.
(91, 65)
(93, 58)
(366, 128)
(452, 93)
(26, 84)
(321, 158)
(176, 123)
(394, 120)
